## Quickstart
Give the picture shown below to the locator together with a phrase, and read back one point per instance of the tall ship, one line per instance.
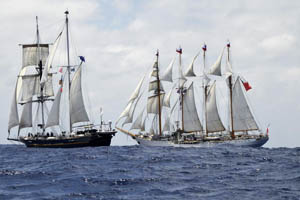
(40, 85)
(179, 108)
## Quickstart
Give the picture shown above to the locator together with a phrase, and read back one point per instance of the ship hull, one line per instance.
(253, 142)
(93, 140)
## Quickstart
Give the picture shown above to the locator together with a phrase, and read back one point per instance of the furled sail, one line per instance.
(190, 70)
(13, 116)
(26, 116)
(216, 68)
(213, 121)
(49, 60)
(31, 54)
(77, 109)
(53, 118)
(152, 103)
(243, 119)
(167, 76)
(191, 119)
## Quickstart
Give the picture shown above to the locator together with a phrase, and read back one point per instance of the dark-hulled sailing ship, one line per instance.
(155, 116)
(67, 124)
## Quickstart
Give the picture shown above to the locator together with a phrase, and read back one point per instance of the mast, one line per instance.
(205, 110)
(158, 88)
(230, 95)
(40, 70)
(68, 66)
(205, 90)
(180, 87)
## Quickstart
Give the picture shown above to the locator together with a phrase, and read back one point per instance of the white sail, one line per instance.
(31, 54)
(228, 69)
(30, 86)
(53, 117)
(26, 116)
(154, 73)
(126, 110)
(48, 87)
(243, 119)
(216, 68)
(138, 123)
(167, 98)
(152, 103)
(129, 117)
(77, 109)
(143, 125)
(13, 115)
(166, 125)
(191, 119)
(136, 92)
(190, 70)
(153, 127)
(213, 121)
(36, 120)
(167, 76)
(49, 60)
(154, 86)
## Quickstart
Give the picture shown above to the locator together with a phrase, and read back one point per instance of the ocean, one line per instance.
(136, 172)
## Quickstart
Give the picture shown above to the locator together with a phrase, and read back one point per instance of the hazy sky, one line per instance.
(119, 39)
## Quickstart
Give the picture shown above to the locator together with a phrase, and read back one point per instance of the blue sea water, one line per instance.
(136, 172)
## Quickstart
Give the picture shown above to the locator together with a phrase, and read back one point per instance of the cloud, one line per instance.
(279, 44)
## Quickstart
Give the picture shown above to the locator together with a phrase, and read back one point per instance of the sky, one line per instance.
(119, 38)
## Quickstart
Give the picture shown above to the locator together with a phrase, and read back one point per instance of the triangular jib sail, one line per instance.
(77, 109)
(242, 116)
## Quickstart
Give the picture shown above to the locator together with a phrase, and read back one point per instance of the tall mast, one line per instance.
(180, 87)
(68, 66)
(40, 70)
(230, 94)
(204, 48)
(158, 89)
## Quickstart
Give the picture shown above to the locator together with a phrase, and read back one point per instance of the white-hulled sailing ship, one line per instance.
(67, 124)
(155, 116)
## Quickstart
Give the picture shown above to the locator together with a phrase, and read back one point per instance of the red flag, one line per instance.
(60, 70)
(204, 47)
(268, 131)
(247, 86)
(179, 50)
